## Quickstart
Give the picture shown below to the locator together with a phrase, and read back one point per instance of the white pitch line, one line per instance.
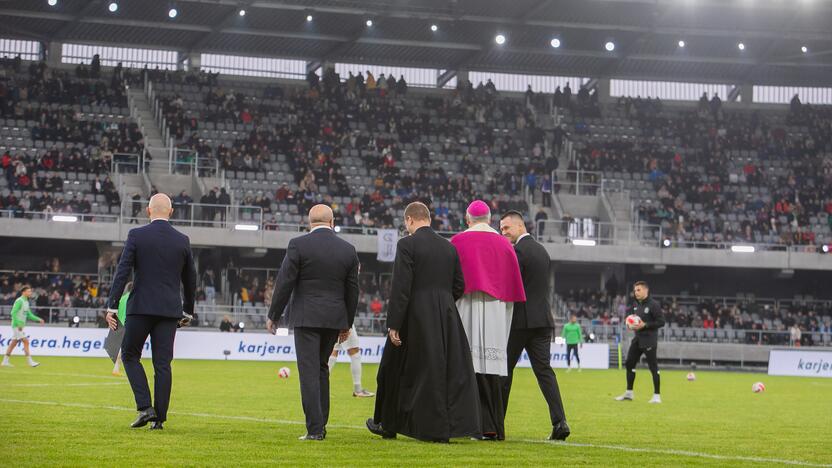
(682, 453)
(96, 384)
(620, 448)
(68, 374)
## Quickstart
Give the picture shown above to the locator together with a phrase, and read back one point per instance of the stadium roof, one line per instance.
(646, 34)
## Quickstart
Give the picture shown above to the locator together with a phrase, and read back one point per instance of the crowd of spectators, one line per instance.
(773, 319)
(702, 170)
(52, 289)
(48, 100)
(254, 287)
(316, 132)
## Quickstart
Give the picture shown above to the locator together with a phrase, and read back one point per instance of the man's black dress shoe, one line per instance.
(378, 430)
(156, 426)
(312, 437)
(145, 416)
(560, 431)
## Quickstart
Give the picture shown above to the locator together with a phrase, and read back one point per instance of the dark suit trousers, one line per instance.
(313, 347)
(161, 331)
(537, 343)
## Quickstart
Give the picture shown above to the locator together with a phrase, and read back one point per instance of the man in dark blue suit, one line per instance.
(322, 271)
(160, 259)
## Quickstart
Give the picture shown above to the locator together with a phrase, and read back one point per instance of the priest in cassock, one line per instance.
(492, 285)
(426, 384)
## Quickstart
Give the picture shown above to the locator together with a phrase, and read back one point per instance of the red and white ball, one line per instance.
(633, 321)
(691, 377)
(758, 387)
(284, 373)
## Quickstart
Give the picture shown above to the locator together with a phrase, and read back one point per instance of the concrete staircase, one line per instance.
(154, 142)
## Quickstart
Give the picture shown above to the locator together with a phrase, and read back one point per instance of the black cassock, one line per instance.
(426, 386)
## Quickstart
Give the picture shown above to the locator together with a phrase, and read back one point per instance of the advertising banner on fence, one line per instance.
(800, 363)
(191, 344)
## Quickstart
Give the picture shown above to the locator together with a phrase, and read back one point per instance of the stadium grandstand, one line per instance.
(685, 143)
(664, 147)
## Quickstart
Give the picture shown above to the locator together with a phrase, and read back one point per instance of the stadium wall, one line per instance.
(89, 342)
(625, 254)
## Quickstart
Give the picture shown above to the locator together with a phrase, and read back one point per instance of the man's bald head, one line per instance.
(159, 207)
(320, 215)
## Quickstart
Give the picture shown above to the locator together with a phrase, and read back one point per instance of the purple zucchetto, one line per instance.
(478, 209)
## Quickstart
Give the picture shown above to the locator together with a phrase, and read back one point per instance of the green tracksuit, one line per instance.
(21, 312)
(572, 333)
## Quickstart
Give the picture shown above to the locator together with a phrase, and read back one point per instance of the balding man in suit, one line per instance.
(320, 275)
(160, 259)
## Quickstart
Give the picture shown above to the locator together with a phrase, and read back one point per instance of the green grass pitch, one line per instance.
(72, 412)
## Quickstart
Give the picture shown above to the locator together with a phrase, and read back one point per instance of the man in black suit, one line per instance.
(160, 259)
(532, 323)
(322, 272)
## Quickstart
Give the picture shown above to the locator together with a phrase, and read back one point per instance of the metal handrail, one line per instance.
(48, 273)
(254, 318)
(50, 216)
(547, 231)
(587, 229)
(200, 215)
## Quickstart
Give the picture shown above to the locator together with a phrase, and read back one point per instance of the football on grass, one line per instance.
(633, 321)
(691, 376)
(283, 373)
(758, 387)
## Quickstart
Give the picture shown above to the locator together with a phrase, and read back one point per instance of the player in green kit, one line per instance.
(122, 317)
(574, 337)
(20, 313)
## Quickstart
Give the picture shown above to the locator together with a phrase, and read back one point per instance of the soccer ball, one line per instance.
(758, 387)
(283, 373)
(633, 321)
(691, 376)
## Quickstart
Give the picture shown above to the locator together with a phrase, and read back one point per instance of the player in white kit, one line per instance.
(351, 346)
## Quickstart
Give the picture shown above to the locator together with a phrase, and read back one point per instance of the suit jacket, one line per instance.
(534, 268)
(321, 270)
(161, 260)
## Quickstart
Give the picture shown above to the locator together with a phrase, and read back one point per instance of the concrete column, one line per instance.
(194, 61)
(53, 53)
(462, 75)
(552, 283)
(747, 93)
(603, 90)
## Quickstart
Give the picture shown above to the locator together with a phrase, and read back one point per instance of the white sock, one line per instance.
(6, 358)
(332, 361)
(629, 393)
(29, 359)
(355, 368)
(116, 367)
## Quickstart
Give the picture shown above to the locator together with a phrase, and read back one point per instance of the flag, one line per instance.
(387, 239)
